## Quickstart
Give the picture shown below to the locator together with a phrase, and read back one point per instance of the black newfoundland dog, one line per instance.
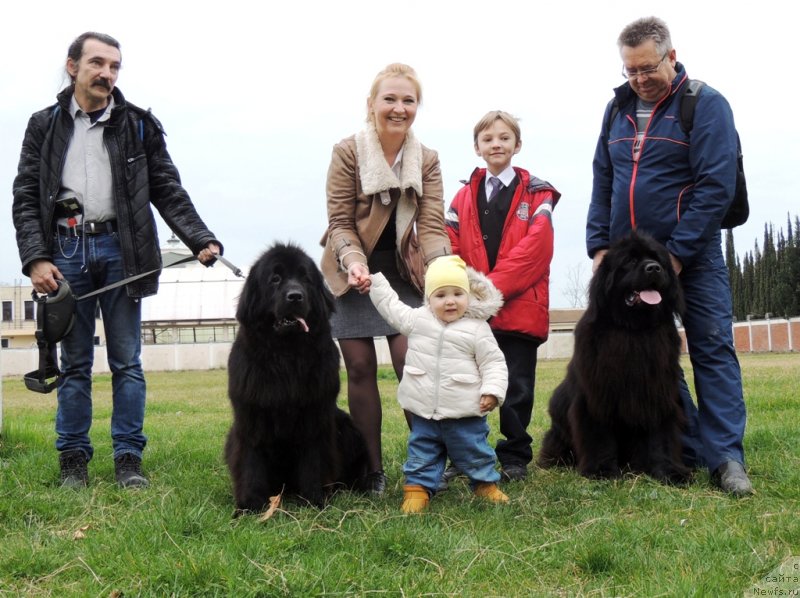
(288, 436)
(619, 409)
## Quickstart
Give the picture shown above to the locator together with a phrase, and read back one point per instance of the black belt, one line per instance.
(90, 228)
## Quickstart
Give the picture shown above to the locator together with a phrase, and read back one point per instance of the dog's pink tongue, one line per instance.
(650, 297)
(303, 324)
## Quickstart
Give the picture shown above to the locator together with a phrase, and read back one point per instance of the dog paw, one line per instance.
(601, 472)
(674, 477)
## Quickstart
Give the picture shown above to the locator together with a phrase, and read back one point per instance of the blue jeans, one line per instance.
(89, 263)
(466, 442)
(716, 425)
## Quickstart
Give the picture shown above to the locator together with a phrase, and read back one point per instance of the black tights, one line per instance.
(363, 397)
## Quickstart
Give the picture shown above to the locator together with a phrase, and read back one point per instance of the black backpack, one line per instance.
(739, 209)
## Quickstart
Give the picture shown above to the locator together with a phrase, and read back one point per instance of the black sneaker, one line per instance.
(513, 472)
(375, 483)
(74, 469)
(732, 478)
(451, 473)
(128, 469)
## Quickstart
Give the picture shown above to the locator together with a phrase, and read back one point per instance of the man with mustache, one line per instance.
(90, 167)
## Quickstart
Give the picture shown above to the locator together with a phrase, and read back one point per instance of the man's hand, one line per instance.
(209, 253)
(358, 277)
(597, 258)
(488, 403)
(676, 264)
(43, 275)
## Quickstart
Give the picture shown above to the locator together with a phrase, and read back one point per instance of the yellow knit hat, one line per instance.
(446, 271)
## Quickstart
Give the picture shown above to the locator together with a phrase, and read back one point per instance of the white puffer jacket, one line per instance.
(448, 366)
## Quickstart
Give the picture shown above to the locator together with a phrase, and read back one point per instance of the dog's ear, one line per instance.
(242, 308)
(327, 297)
(676, 293)
(598, 289)
(249, 298)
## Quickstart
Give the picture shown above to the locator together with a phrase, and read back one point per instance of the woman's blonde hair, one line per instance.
(396, 69)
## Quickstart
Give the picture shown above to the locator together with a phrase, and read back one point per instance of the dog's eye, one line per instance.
(276, 279)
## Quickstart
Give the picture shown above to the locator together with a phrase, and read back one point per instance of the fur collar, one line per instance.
(375, 173)
(485, 300)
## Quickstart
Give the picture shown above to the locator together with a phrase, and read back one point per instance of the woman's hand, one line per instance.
(358, 277)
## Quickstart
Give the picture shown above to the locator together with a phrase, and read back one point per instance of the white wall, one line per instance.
(18, 362)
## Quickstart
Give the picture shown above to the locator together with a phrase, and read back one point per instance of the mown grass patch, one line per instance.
(561, 535)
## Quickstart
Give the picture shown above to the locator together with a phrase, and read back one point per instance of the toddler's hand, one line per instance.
(488, 403)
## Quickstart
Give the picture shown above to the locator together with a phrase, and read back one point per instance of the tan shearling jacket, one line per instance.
(363, 193)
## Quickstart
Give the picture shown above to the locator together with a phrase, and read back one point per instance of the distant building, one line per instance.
(18, 327)
(194, 304)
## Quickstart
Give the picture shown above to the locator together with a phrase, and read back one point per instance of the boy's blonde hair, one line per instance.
(488, 120)
(396, 69)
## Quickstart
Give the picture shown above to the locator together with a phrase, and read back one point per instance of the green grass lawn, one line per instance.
(561, 535)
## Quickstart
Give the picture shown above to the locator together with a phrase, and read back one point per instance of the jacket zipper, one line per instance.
(52, 193)
(438, 376)
(637, 156)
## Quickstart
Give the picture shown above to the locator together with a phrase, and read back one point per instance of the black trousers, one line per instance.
(515, 413)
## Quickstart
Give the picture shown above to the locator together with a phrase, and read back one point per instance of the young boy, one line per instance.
(454, 375)
(500, 222)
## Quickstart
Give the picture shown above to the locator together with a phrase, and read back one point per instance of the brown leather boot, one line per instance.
(490, 491)
(415, 499)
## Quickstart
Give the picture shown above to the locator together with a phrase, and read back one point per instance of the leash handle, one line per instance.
(234, 269)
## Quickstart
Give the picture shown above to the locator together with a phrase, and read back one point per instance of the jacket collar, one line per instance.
(64, 97)
(376, 175)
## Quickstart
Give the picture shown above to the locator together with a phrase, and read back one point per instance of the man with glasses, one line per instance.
(652, 176)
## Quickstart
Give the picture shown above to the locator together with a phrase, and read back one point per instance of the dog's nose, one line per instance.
(652, 267)
(294, 296)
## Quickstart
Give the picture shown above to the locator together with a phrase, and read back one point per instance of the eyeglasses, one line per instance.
(646, 72)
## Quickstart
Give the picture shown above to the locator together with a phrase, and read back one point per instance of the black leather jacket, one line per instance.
(142, 174)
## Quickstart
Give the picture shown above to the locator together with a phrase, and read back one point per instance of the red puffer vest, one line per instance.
(522, 269)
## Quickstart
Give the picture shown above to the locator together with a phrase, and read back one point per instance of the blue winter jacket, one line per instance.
(680, 187)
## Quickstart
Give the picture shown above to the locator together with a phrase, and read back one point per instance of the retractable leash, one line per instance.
(55, 316)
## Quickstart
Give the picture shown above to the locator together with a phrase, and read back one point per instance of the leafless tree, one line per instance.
(577, 286)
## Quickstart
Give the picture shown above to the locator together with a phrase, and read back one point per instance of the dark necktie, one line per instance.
(496, 184)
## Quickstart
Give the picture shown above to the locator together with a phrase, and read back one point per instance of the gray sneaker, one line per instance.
(732, 478)
(128, 470)
(513, 472)
(74, 469)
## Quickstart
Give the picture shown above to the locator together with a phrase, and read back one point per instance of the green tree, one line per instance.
(735, 277)
(768, 279)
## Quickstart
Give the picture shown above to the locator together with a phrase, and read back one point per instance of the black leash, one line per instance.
(236, 271)
(125, 281)
(46, 378)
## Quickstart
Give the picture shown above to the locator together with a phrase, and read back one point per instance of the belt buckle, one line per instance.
(92, 227)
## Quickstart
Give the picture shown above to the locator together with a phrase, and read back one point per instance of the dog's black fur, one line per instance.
(288, 435)
(619, 408)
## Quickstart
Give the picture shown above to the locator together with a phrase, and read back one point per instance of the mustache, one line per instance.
(102, 83)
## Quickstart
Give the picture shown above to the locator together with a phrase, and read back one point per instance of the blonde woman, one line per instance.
(385, 214)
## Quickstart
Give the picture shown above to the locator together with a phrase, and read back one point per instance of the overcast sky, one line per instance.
(254, 95)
